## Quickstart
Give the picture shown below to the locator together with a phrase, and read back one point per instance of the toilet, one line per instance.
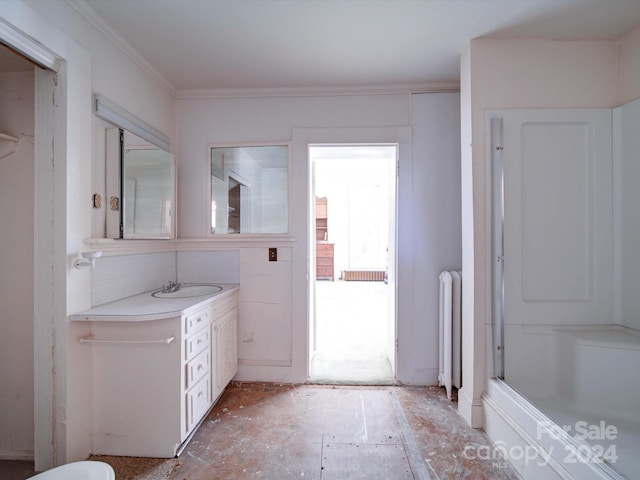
(85, 470)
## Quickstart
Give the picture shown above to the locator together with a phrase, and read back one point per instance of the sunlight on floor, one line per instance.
(352, 338)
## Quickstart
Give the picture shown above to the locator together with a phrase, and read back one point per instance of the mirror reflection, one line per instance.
(146, 188)
(249, 186)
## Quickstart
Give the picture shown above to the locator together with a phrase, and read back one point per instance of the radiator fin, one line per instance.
(363, 275)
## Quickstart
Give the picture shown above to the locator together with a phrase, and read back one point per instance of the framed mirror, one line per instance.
(141, 188)
(249, 189)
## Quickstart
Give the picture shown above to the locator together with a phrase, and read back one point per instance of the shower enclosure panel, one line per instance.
(557, 251)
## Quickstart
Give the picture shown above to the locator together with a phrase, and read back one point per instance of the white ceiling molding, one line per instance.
(94, 19)
(441, 87)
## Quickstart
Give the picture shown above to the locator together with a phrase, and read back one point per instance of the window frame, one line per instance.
(247, 236)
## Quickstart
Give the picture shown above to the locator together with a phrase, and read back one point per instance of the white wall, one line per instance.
(273, 305)
(626, 121)
(64, 217)
(120, 78)
(16, 267)
(509, 74)
(516, 74)
(436, 237)
(469, 405)
(202, 121)
(629, 67)
(270, 297)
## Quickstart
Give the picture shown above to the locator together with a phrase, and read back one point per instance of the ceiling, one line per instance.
(267, 44)
(332, 44)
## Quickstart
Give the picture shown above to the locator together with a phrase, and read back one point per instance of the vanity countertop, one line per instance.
(144, 307)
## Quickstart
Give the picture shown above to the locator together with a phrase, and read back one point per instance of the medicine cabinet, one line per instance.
(141, 188)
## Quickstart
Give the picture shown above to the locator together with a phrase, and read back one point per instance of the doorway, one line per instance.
(353, 321)
(46, 148)
(17, 190)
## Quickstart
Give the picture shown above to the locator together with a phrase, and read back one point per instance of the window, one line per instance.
(249, 189)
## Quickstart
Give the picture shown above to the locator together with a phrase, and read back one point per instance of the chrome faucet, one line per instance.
(171, 287)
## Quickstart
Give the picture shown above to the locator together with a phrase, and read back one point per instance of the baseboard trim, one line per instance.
(264, 371)
(21, 455)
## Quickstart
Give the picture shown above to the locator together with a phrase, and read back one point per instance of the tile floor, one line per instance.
(272, 431)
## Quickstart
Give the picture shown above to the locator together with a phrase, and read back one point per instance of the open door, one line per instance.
(312, 261)
(392, 328)
(352, 208)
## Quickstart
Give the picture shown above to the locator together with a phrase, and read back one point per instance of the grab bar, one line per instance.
(91, 339)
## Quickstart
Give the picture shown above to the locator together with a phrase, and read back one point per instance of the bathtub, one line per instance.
(580, 402)
(599, 371)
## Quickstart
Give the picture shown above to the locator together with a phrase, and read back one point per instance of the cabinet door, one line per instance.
(198, 401)
(226, 337)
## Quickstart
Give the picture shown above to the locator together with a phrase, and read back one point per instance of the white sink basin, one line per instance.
(186, 291)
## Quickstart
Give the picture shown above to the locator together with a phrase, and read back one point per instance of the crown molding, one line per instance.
(86, 12)
(438, 87)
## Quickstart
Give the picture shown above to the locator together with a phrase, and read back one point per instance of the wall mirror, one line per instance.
(141, 188)
(249, 189)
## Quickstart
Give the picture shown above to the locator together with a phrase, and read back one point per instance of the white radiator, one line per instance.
(450, 346)
(363, 275)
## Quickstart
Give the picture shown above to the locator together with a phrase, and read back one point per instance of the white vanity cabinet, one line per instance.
(196, 385)
(155, 379)
(139, 380)
(225, 337)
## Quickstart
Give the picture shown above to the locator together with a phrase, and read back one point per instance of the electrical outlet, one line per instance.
(273, 254)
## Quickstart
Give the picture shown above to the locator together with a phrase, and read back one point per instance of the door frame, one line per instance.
(392, 234)
(304, 293)
(62, 140)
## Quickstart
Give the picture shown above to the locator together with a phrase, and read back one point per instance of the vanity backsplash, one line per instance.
(209, 267)
(123, 276)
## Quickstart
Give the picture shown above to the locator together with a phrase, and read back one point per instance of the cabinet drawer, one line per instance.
(324, 271)
(197, 320)
(324, 261)
(223, 305)
(198, 368)
(324, 249)
(197, 342)
(321, 211)
(198, 401)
